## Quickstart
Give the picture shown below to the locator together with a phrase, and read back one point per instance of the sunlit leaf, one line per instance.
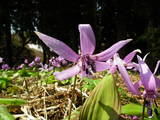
(132, 109)
(4, 82)
(12, 101)
(136, 109)
(103, 103)
(4, 114)
(90, 84)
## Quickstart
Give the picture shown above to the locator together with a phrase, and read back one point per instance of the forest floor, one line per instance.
(55, 100)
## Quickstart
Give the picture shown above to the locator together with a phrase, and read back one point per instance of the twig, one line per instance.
(48, 108)
(68, 107)
(26, 85)
(27, 112)
(44, 102)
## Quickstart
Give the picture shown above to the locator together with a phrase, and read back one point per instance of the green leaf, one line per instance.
(23, 73)
(103, 103)
(136, 109)
(4, 114)
(4, 82)
(12, 101)
(132, 109)
(50, 80)
(90, 84)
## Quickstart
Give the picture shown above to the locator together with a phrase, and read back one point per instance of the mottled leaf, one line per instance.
(103, 103)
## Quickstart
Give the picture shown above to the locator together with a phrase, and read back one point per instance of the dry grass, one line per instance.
(53, 101)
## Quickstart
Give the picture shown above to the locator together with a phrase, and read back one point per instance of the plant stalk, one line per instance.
(144, 103)
(72, 98)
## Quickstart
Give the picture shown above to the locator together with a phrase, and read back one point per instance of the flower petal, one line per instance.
(125, 76)
(146, 55)
(147, 77)
(59, 47)
(156, 68)
(107, 54)
(101, 66)
(67, 73)
(87, 39)
(138, 84)
(131, 55)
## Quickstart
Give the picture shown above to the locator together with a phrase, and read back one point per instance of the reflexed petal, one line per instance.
(144, 58)
(59, 47)
(147, 77)
(131, 55)
(87, 39)
(156, 68)
(125, 76)
(107, 54)
(101, 66)
(67, 73)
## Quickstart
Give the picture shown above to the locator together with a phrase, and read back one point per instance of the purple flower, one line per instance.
(51, 59)
(45, 67)
(5, 67)
(127, 61)
(31, 64)
(124, 74)
(26, 61)
(134, 118)
(20, 66)
(150, 82)
(86, 63)
(37, 59)
(57, 62)
(61, 60)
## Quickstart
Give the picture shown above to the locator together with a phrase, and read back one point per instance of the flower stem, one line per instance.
(72, 98)
(155, 103)
(144, 103)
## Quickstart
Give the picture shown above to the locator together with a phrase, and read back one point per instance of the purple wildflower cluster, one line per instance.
(35, 62)
(53, 62)
(57, 61)
(86, 63)
(3, 66)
